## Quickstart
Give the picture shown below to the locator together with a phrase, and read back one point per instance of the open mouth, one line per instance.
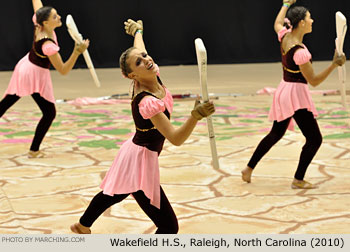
(149, 67)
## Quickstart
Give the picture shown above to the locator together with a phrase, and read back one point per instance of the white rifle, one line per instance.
(78, 38)
(339, 43)
(202, 66)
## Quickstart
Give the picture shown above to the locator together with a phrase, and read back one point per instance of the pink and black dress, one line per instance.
(31, 76)
(293, 92)
(136, 165)
(135, 169)
(32, 72)
(292, 101)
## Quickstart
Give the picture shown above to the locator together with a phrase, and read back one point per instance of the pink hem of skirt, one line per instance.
(288, 98)
(28, 78)
(134, 168)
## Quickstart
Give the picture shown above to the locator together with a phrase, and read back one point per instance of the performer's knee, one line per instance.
(314, 141)
(274, 137)
(318, 140)
(50, 115)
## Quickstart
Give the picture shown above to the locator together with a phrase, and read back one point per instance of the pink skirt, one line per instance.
(134, 168)
(28, 78)
(288, 98)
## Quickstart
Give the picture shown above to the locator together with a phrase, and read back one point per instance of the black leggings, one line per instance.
(164, 218)
(308, 126)
(47, 108)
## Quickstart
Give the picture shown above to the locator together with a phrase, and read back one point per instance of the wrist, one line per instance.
(334, 65)
(138, 31)
(286, 5)
(194, 118)
(196, 115)
(76, 53)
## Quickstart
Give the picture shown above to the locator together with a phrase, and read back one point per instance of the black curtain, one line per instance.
(233, 31)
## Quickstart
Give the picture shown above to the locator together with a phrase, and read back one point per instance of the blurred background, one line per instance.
(233, 31)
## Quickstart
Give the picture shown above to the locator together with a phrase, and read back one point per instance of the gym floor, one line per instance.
(48, 195)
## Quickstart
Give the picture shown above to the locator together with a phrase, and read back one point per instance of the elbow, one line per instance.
(314, 83)
(178, 143)
(313, 80)
(174, 138)
(175, 141)
(62, 71)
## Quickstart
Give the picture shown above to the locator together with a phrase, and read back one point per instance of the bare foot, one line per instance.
(246, 174)
(36, 154)
(80, 229)
(302, 184)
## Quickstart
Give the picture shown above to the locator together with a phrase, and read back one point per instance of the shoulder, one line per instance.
(149, 106)
(149, 100)
(46, 41)
(138, 96)
(49, 47)
(301, 55)
(282, 33)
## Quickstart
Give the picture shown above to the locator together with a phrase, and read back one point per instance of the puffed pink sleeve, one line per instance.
(34, 19)
(157, 69)
(283, 32)
(302, 56)
(150, 106)
(50, 48)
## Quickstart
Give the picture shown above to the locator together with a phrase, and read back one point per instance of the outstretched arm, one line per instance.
(315, 79)
(138, 40)
(279, 21)
(175, 136)
(37, 4)
(135, 29)
(178, 136)
(64, 67)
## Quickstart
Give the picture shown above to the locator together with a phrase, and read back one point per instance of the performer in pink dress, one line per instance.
(292, 99)
(135, 169)
(32, 75)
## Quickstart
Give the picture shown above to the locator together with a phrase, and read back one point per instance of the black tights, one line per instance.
(47, 108)
(164, 218)
(308, 126)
